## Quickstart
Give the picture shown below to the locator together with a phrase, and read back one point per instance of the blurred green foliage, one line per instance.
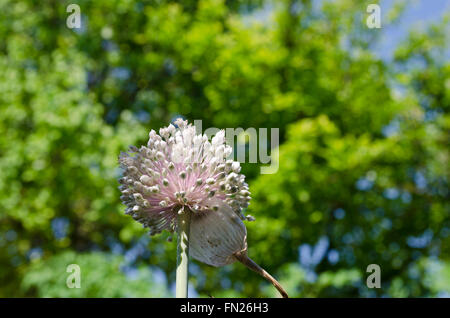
(363, 160)
(101, 279)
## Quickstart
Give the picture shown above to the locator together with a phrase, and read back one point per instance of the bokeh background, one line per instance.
(364, 141)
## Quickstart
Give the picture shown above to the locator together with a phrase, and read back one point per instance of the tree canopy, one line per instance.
(363, 155)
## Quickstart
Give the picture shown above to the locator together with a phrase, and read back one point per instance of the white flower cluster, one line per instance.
(179, 169)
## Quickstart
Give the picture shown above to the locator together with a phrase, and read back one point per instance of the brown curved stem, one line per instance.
(248, 262)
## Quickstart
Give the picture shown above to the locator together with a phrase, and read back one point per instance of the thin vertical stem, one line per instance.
(184, 220)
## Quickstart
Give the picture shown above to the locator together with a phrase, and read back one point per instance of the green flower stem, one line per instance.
(184, 220)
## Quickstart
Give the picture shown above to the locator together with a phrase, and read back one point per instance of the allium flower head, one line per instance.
(178, 170)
